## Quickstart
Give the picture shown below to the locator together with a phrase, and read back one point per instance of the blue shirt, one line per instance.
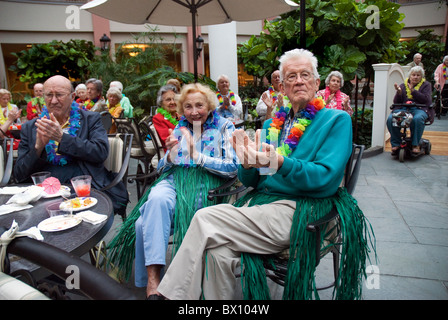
(216, 152)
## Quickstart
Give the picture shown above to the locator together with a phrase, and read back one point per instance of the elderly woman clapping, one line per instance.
(333, 96)
(416, 90)
(10, 112)
(199, 156)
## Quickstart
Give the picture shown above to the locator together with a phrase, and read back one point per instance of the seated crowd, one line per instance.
(291, 184)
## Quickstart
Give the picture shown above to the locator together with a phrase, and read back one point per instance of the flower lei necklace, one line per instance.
(74, 123)
(183, 158)
(408, 91)
(445, 75)
(168, 116)
(337, 95)
(88, 104)
(231, 96)
(298, 128)
(273, 94)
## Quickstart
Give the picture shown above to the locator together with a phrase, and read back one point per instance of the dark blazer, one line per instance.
(88, 150)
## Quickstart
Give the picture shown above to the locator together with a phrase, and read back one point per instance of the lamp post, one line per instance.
(302, 20)
(199, 46)
(105, 42)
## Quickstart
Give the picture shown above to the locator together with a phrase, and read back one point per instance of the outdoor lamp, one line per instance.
(199, 46)
(105, 42)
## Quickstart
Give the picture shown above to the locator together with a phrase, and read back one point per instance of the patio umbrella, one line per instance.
(187, 12)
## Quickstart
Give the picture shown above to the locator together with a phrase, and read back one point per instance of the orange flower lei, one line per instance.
(298, 128)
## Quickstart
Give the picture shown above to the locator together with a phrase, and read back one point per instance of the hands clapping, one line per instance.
(249, 154)
(172, 144)
(47, 129)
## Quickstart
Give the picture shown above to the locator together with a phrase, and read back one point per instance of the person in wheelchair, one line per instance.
(416, 90)
(306, 172)
(199, 158)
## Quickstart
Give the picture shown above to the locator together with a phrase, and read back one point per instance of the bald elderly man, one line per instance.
(67, 141)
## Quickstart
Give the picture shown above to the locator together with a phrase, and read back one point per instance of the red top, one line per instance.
(162, 126)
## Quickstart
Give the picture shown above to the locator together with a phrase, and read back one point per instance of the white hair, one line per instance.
(334, 74)
(417, 69)
(298, 54)
(81, 86)
(116, 84)
(223, 76)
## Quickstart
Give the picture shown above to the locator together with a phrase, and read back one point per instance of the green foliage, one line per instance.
(340, 35)
(42, 61)
(336, 33)
(143, 72)
(431, 48)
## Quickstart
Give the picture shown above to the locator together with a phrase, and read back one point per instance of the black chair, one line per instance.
(106, 120)
(328, 224)
(276, 271)
(120, 146)
(143, 150)
(6, 161)
(93, 283)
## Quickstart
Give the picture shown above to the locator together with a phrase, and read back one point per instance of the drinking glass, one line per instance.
(82, 185)
(39, 177)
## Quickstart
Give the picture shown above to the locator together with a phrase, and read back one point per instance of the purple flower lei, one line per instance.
(74, 123)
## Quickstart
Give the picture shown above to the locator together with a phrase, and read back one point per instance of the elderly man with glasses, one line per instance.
(295, 174)
(67, 141)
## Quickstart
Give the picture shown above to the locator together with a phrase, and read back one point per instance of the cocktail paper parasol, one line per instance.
(51, 185)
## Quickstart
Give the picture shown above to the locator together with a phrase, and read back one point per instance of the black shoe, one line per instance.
(155, 297)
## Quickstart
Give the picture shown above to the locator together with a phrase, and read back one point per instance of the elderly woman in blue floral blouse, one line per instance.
(199, 156)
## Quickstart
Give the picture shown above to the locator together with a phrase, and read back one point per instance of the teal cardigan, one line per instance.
(316, 167)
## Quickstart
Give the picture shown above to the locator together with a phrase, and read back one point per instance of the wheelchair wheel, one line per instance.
(401, 154)
(428, 148)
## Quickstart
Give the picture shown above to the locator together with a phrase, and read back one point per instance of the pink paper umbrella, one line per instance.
(51, 185)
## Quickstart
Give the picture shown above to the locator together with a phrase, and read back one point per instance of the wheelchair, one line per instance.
(403, 120)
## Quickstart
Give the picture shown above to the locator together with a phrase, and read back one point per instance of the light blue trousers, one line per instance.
(153, 229)
(417, 126)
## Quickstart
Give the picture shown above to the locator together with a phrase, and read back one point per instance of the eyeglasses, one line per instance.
(305, 75)
(59, 96)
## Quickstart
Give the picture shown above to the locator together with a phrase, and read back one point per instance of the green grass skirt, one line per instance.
(189, 182)
(357, 240)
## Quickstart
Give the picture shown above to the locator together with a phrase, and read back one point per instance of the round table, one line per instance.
(77, 240)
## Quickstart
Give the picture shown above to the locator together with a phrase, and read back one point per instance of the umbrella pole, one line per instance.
(303, 24)
(193, 11)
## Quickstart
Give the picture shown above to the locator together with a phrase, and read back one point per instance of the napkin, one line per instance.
(92, 217)
(31, 194)
(13, 190)
(8, 208)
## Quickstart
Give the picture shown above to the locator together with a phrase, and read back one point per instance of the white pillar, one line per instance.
(385, 77)
(380, 107)
(223, 56)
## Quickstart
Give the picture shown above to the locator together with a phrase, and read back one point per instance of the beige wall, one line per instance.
(429, 15)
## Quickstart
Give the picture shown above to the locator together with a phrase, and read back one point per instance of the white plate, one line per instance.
(80, 203)
(64, 191)
(58, 223)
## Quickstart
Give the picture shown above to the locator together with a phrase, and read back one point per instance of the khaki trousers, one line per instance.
(210, 252)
